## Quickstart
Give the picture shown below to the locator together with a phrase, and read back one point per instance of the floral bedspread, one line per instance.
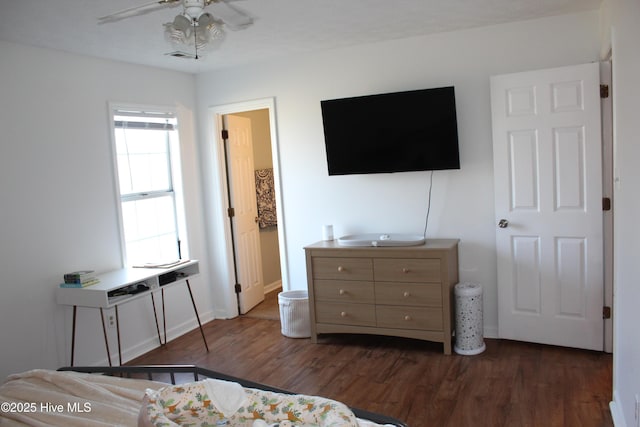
(215, 402)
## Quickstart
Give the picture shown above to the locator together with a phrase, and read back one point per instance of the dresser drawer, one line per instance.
(342, 268)
(346, 314)
(410, 294)
(407, 270)
(344, 291)
(400, 317)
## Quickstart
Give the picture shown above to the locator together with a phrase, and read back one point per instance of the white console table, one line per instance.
(125, 285)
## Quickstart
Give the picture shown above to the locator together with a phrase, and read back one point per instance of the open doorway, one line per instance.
(254, 223)
(247, 142)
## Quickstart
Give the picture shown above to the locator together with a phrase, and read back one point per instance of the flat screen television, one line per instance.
(392, 132)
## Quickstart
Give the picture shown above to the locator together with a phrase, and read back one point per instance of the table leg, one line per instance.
(164, 318)
(73, 333)
(193, 301)
(155, 315)
(118, 333)
(104, 333)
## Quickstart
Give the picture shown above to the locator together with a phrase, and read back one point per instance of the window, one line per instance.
(146, 152)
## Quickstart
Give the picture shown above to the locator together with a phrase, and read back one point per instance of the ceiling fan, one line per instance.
(192, 27)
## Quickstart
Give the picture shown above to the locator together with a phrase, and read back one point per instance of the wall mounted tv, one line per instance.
(392, 132)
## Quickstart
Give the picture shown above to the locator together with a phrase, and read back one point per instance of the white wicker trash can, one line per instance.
(294, 314)
(469, 326)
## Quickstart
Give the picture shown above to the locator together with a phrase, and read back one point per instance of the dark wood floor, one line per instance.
(510, 384)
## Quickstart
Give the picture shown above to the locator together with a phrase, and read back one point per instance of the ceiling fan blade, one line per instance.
(234, 18)
(138, 10)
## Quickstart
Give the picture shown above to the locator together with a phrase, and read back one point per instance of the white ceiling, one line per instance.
(281, 27)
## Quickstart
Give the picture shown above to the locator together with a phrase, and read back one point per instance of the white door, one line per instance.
(548, 206)
(245, 224)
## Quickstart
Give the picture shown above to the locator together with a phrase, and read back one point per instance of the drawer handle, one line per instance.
(407, 318)
(341, 268)
(343, 314)
(406, 294)
(405, 270)
(342, 292)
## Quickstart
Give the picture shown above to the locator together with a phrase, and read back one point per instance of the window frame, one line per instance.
(175, 176)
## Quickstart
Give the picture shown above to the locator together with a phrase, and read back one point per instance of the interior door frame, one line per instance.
(606, 110)
(216, 115)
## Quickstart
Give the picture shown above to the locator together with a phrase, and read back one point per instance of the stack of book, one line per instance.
(79, 279)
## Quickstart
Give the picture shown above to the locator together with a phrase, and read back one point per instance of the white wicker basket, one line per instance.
(294, 314)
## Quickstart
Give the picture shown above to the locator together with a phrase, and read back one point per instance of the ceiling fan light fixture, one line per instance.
(207, 38)
(193, 8)
(182, 23)
(205, 20)
(214, 31)
(176, 36)
(193, 27)
(203, 33)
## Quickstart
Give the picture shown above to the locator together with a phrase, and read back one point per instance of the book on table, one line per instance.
(79, 279)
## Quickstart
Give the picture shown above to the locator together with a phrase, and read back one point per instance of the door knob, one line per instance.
(503, 223)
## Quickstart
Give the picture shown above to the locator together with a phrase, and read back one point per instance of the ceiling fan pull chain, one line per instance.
(195, 38)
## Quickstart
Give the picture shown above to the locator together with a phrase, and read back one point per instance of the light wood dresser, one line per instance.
(399, 291)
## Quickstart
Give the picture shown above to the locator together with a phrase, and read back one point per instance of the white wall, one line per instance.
(58, 203)
(462, 201)
(622, 30)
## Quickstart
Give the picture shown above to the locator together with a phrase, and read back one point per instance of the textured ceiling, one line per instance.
(281, 27)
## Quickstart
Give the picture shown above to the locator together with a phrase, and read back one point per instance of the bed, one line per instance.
(144, 396)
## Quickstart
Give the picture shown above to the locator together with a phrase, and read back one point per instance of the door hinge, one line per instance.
(231, 212)
(225, 134)
(604, 91)
(238, 288)
(606, 312)
(606, 203)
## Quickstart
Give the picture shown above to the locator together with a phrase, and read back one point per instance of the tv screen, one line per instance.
(392, 132)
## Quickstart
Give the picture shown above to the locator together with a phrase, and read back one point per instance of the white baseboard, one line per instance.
(616, 412)
(272, 286)
(490, 332)
(151, 343)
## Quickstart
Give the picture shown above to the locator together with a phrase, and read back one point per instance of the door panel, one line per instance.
(570, 259)
(243, 196)
(526, 259)
(523, 161)
(548, 188)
